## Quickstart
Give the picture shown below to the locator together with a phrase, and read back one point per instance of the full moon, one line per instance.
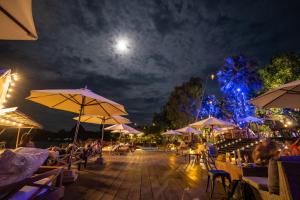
(122, 45)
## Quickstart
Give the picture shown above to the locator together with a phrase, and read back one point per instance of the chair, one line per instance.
(45, 184)
(214, 173)
(289, 181)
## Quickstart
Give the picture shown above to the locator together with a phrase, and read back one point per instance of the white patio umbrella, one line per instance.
(211, 122)
(251, 119)
(98, 119)
(189, 130)
(284, 96)
(16, 21)
(122, 128)
(171, 132)
(81, 101)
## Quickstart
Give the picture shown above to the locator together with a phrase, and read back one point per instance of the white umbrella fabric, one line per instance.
(122, 128)
(189, 130)
(251, 119)
(211, 122)
(98, 119)
(80, 101)
(171, 132)
(16, 21)
(284, 96)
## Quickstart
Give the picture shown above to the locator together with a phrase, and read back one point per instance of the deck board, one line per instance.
(142, 175)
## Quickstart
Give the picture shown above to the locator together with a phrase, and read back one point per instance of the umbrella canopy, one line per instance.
(98, 119)
(16, 21)
(74, 100)
(17, 119)
(285, 96)
(189, 130)
(251, 119)
(81, 101)
(122, 128)
(211, 122)
(171, 132)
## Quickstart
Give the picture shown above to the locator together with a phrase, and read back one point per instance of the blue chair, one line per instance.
(214, 173)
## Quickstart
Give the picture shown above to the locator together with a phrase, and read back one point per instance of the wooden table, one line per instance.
(197, 155)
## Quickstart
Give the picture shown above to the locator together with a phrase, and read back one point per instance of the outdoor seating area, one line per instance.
(149, 100)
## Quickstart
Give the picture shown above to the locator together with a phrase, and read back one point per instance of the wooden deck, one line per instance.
(142, 175)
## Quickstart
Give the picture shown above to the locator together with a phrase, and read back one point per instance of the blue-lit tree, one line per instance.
(239, 83)
(210, 107)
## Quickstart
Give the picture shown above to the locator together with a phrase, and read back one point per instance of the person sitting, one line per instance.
(295, 148)
(264, 151)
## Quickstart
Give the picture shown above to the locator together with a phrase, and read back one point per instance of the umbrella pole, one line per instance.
(76, 131)
(102, 135)
(18, 137)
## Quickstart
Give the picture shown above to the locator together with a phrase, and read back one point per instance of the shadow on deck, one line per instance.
(142, 175)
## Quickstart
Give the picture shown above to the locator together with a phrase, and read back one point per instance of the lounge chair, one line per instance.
(46, 183)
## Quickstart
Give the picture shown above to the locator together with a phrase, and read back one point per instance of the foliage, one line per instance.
(210, 107)
(181, 107)
(282, 69)
(239, 82)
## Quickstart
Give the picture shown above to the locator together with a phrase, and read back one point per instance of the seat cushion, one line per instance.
(27, 192)
(218, 172)
(260, 183)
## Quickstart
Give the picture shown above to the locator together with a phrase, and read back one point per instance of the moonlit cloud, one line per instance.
(167, 43)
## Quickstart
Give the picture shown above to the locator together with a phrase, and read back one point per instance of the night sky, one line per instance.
(167, 43)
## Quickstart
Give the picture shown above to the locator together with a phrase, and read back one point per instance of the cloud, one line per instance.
(170, 41)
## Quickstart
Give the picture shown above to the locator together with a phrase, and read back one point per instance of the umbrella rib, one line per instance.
(17, 22)
(104, 102)
(74, 100)
(103, 108)
(115, 107)
(66, 99)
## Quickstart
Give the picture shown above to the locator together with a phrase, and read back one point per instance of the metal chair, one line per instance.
(214, 173)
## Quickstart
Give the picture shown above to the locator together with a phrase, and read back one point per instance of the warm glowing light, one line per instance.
(8, 95)
(19, 124)
(10, 89)
(122, 45)
(212, 77)
(289, 123)
(2, 120)
(285, 125)
(15, 76)
(12, 84)
(14, 123)
(7, 121)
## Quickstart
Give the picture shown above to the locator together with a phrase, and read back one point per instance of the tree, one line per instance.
(181, 107)
(282, 69)
(210, 107)
(239, 83)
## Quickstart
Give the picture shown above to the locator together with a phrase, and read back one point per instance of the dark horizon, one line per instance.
(166, 43)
